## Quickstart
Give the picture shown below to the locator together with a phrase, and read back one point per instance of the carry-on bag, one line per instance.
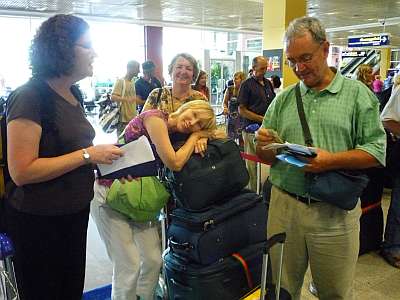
(205, 237)
(268, 291)
(206, 180)
(8, 283)
(228, 279)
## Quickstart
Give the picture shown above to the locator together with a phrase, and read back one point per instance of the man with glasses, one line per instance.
(343, 117)
(255, 95)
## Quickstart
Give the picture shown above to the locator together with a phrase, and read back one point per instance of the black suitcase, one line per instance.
(371, 228)
(224, 280)
(206, 180)
(205, 237)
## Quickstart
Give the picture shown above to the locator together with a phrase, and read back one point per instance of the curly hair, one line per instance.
(52, 50)
(364, 74)
(190, 59)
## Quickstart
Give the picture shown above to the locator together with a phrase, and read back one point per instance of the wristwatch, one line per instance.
(86, 156)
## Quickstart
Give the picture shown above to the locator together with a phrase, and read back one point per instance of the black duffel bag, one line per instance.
(207, 180)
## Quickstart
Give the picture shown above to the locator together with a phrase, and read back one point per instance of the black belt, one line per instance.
(302, 199)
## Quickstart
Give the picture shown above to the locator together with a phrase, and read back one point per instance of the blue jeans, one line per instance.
(392, 230)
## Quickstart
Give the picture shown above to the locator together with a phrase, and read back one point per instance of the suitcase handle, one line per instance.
(275, 239)
(180, 285)
(181, 246)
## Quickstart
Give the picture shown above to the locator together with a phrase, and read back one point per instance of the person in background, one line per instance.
(47, 209)
(183, 70)
(343, 116)
(134, 248)
(231, 105)
(276, 83)
(201, 84)
(388, 82)
(124, 93)
(144, 85)
(364, 74)
(390, 118)
(377, 84)
(255, 95)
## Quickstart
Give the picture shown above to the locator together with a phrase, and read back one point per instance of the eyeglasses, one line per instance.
(88, 46)
(303, 59)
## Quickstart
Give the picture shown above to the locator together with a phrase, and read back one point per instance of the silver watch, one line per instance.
(86, 156)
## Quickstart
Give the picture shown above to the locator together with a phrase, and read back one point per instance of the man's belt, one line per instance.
(302, 199)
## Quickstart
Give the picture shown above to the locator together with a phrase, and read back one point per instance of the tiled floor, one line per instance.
(375, 279)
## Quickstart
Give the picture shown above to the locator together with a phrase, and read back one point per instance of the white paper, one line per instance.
(136, 152)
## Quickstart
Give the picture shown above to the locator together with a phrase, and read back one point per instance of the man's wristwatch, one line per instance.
(86, 156)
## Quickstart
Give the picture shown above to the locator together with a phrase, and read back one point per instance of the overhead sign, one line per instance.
(375, 40)
(354, 54)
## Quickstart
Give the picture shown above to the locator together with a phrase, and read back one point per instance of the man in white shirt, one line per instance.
(390, 118)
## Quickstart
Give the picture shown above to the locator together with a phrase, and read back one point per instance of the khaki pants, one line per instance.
(250, 148)
(319, 234)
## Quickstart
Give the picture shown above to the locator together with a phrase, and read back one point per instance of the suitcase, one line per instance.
(267, 291)
(371, 228)
(204, 181)
(205, 237)
(8, 283)
(223, 280)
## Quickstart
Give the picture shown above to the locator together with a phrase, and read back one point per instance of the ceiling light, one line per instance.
(381, 22)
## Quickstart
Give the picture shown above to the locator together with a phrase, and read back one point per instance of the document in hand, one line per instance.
(138, 161)
(291, 149)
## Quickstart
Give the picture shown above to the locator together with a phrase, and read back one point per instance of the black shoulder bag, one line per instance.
(341, 188)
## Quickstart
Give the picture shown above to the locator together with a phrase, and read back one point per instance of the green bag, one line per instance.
(141, 200)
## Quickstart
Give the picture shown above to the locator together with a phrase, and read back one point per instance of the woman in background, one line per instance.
(201, 84)
(364, 74)
(183, 70)
(234, 128)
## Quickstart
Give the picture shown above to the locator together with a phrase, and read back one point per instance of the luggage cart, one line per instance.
(268, 291)
(8, 284)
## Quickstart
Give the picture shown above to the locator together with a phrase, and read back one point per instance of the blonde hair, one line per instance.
(396, 81)
(203, 110)
(239, 74)
(364, 73)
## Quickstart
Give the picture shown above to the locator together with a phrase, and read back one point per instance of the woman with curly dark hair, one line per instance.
(50, 157)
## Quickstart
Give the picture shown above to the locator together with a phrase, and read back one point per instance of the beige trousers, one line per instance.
(319, 234)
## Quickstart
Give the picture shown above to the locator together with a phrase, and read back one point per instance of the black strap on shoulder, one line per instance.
(159, 96)
(77, 94)
(300, 109)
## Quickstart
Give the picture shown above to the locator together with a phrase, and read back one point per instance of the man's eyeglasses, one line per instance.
(85, 46)
(303, 59)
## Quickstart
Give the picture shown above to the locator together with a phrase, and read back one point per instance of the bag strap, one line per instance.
(300, 109)
(123, 88)
(159, 96)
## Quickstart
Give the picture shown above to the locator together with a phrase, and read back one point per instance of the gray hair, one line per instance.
(190, 59)
(300, 26)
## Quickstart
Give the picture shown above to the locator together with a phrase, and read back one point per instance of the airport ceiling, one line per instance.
(341, 17)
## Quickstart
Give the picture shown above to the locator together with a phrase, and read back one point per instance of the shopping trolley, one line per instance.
(8, 284)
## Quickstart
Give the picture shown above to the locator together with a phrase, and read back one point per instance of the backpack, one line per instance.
(47, 120)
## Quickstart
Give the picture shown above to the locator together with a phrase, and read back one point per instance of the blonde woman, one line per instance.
(134, 248)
